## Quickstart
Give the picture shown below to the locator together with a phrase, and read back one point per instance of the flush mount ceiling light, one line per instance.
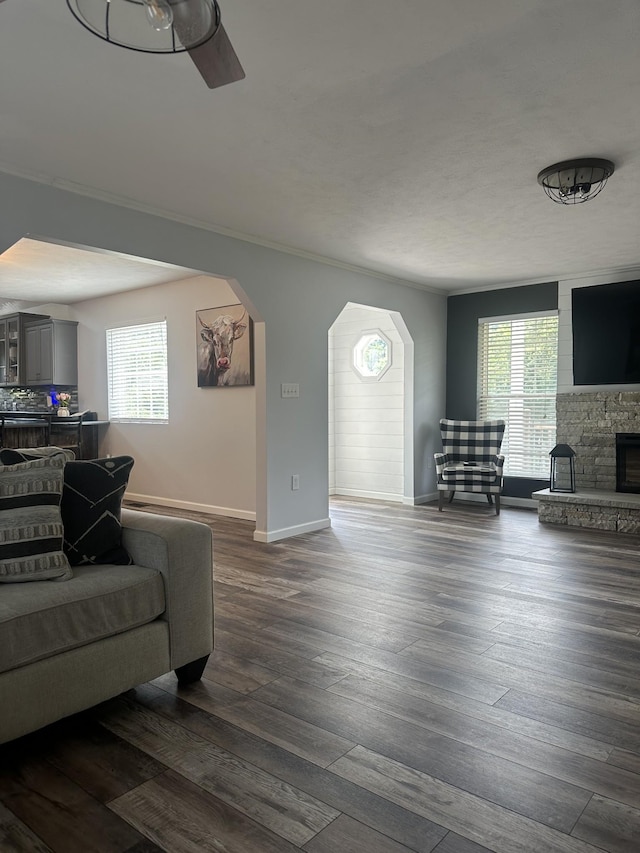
(575, 181)
(165, 26)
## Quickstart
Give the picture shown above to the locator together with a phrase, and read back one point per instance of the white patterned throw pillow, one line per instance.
(31, 532)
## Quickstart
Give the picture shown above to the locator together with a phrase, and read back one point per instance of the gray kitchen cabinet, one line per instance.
(51, 352)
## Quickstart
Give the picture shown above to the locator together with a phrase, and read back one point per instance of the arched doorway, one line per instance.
(370, 405)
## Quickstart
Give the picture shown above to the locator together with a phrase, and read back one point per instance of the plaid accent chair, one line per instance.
(470, 460)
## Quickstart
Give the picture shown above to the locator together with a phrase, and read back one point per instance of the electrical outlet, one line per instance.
(290, 389)
(295, 482)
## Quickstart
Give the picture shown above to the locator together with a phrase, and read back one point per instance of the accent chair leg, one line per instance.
(497, 504)
(451, 495)
(440, 500)
(191, 672)
(490, 498)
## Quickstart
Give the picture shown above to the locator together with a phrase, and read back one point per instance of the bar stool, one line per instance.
(67, 433)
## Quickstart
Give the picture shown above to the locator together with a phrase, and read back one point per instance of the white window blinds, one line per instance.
(517, 380)
(137, 372)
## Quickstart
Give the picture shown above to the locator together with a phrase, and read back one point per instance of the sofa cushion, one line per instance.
(91, 508)
(41, 619)
(31, 530)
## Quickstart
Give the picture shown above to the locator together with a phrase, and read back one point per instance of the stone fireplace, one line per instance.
(589, 424)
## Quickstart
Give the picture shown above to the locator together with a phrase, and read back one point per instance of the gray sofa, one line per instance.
(66, 646)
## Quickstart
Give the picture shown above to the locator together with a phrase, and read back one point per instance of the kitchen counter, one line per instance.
(25, 429)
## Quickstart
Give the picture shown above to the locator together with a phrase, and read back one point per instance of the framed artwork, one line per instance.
(225, 347)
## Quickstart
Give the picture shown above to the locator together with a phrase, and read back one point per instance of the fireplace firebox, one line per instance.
(628, 462)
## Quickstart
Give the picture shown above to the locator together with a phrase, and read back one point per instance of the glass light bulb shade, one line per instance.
(127, 22)
(159, 14)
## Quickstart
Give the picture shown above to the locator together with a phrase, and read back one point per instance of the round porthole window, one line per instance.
(372, 355)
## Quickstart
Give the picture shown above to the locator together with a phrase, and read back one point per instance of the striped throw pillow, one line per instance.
(31, 533)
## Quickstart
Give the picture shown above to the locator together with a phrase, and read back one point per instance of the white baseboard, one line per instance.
(421, 499)
(287, 532)
(375, 496)
(207, 509)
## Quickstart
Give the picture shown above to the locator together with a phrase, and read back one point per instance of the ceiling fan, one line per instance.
(165, 26)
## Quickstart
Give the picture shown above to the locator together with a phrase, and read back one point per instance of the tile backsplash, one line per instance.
(32, 399)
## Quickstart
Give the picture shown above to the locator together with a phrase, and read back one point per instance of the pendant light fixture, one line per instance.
(575, 181)
(151, 26)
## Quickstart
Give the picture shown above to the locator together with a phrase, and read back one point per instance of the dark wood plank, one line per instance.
(237, 673)
(279, 657)
(60, 812)
(279, 807)
(182, 818)
(479, 820)
(514, 722)
(434, 672)
(586, 696)
(528, 792)
(376, 812)
(453, 843)
(624, 735)
(346, 834)
(610, 825)
(558, 762)
(16, 837)
(627, 760)
(295, 735)
(104, 765)
(541, 658)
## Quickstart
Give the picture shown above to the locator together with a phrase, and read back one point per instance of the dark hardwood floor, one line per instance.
(408, 680)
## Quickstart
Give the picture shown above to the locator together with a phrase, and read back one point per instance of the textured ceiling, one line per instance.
(400, 137)
(48, 272)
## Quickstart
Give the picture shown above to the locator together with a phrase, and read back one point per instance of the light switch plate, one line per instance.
(290, 389)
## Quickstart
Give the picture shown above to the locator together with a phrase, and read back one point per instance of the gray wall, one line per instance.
(463, 313)
(297, 299)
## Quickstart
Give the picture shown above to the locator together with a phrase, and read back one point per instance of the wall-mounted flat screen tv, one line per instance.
(606, 334)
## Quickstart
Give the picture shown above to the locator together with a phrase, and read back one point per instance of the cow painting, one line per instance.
(224, 350)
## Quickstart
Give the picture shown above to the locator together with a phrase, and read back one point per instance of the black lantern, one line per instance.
(563, 469)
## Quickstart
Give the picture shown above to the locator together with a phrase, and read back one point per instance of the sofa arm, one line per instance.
(182, 550)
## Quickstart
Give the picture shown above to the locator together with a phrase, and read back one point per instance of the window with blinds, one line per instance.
(517, 380)
(137, 373)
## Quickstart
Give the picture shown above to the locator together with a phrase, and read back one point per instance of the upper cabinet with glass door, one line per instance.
(12, 351)
(3, 351)
(13, 328)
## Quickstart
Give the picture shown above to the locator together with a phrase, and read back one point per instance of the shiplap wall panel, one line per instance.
(366, 417)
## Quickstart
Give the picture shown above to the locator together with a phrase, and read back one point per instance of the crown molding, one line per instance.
(610, 273)
(131, 204)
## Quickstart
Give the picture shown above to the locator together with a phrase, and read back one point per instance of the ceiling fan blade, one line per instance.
(216, 60)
